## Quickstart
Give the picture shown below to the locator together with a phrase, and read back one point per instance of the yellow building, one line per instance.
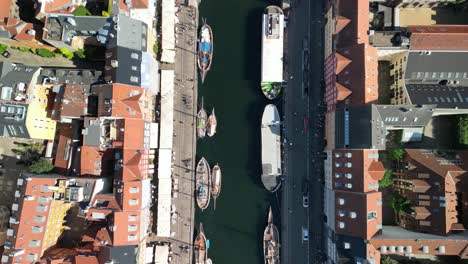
(39, 126)
(55, 223)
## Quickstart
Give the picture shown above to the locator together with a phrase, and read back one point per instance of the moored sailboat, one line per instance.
(216, 178)
(203, 184)
(200, 249)
(271, 241)
(202, 117)
(212, 123)
(205, 50)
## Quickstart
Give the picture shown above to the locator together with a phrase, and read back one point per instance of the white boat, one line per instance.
(271, 148)
(203, 184)
(212, 123)
(216, 183)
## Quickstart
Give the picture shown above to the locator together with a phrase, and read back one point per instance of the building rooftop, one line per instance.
(356, 170)
(13, 120)
(442, 96)
(355, 15)
(15, 80)
(70, 101)
(128, 33)
(358, 214)
(359, 76)
(65, 27)
(70, 76)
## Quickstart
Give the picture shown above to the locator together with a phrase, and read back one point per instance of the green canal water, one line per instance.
(235, 229)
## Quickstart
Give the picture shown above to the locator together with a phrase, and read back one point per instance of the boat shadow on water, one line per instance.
(253, 46)
(254, 166)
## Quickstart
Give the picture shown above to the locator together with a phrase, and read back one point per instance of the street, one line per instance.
(303, 133)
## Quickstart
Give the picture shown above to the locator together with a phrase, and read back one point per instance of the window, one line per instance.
(133, 202)
(379, 202)
(337, 155)
(41, 208)
(349, 155)
(348, 175)
(37, 229)
(341, 213)
(337, 175)
(31, 257)
(349, 165)
(134, 190)
(341, 201)
(34, 243)
(423, 175)
(338, 164)
(132, 218)
(132, 228)
(371, 215)
(352, 214)
(132, 237)
(39, 218)
(341, 225)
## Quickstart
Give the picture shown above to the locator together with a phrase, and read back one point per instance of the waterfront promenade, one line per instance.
(184, 146)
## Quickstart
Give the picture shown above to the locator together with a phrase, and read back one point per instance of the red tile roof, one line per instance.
(343, 92)
(356, 30)
(364, 173)
(439, 37)
(85, 260)
(360, 76)
(354, 213)
(64, 147)
(120, 100)
(72, 103)
(5, 10)
(342, 62)
(341, 22)
(95, 161)
(55, 5)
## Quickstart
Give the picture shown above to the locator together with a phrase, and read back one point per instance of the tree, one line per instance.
(400, 204)
(3, 47)
(388, 260)
(396, 154)
(24, 49)
(81, 11)
(66, 53)
(29, 153)
(41, 166)
(105, 14)
(387, 180)
(155, 48)
(80, 53)
(463, 130)
(45, 53)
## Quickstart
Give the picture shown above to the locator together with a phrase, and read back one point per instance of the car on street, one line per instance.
(305, 234)
(305, 200)
(6, 54)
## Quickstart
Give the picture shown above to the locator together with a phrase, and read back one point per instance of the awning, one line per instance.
(164, 193)
(167, 31)
(162, 254)
(167, 109)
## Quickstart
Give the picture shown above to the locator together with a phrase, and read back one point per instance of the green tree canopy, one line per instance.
(387, 180)
(396, 154)
(66, 53)
(3, 47)
(463, 130)
(45, 53)
(81, 11)
(400, 204)
(41, 166)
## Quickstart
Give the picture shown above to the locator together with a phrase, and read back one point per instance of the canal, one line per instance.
(235, 229)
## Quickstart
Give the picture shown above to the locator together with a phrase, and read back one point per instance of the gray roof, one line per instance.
(357, 248)
(358, 128)
(365, 126)
(436, 66)
(72, 76)
(442, 95)
(64, 27)
(127, 68)
(405, 115)
(12, 120)
(123, 254)
(128, 33)
(14, 79)
(92, 136)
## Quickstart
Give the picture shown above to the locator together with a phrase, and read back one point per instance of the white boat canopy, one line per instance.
(162, 254)
(168, 31)
(272, 51)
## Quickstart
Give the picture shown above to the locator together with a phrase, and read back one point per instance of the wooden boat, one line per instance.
(205, 50)
(203, 184)
(201, 121)
(212, 123)
(199, 247)
(215, 183)
(271, 241)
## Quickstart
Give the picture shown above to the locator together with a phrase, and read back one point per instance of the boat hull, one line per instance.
(205, 51)
(200, 250)
(203, 184)
(271, 241)
(211, 125)
(216, 178)
(271, 148)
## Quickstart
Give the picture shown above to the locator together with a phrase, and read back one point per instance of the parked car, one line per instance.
(6, 54)
(305, 200)
(305, 234)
